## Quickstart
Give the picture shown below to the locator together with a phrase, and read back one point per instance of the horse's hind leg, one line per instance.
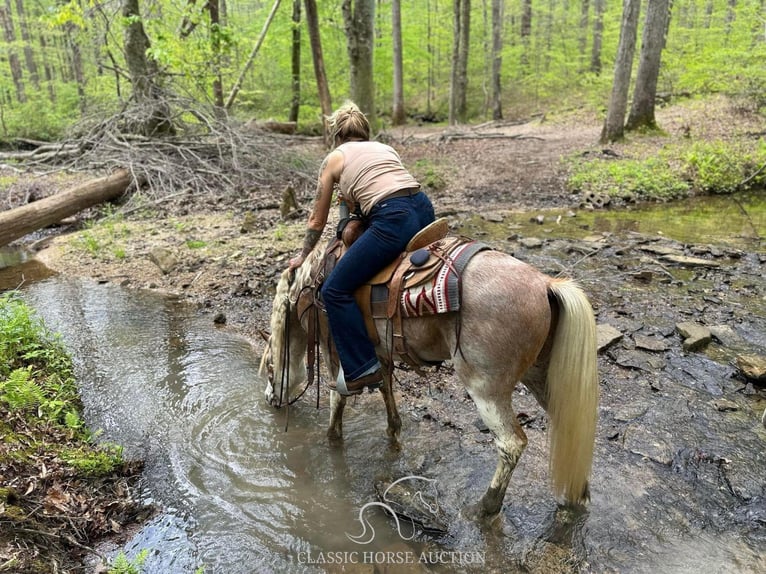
(496, 411)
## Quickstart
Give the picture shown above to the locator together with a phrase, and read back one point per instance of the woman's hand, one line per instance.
(296, 262)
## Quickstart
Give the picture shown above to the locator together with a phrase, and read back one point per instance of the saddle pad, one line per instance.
(441, 293)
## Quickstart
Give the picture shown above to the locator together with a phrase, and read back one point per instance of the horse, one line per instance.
(514, 324)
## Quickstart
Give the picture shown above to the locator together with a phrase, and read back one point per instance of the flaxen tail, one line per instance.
(572, 385)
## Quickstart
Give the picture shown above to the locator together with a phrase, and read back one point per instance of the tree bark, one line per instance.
(398, 116)
(459, 76)
(16, 223)
(613, 129)
(29, 57)
(6, 19)
(526, 32)
(214, 10)
(652, 44)
(359, 20)
(325, 101)
(497, 58)
(295, 104)
(598, 34)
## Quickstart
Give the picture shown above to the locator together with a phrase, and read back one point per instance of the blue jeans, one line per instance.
(392, 223)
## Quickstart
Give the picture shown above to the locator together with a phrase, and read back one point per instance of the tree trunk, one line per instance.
(154, 114)
(582, 42)
(16, 223)
(214, 10)
(618, 103)
(652, 44)
(459, 76)
(6, 19)
(526, 32)
(598, 34)
(359, 20)
(295, 104)
(29, 57)
(325, 101)
(398, 116)
(497, 58)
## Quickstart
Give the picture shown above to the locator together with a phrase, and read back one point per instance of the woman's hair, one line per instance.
(348, 122)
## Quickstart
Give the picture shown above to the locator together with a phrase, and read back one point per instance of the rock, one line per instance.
(531, 242)
(725, 335)
(695, 336)
(725, 405)
(606, 335)
(492, 216)
(752, 367)
(660, 249)
(219, 319)
(249, 222)
(163, 259)
(650, 343)
(690, 261)
(640, 360)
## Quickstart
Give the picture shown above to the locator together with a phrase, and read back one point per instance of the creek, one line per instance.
(678, 482)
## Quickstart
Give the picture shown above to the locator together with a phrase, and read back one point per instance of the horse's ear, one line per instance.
(265, 334)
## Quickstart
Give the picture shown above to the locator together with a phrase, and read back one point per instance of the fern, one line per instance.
(20, 391)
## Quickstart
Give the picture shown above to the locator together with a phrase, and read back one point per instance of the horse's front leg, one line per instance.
(394, 421)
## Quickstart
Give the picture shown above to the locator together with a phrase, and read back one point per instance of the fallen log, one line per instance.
(17, 222)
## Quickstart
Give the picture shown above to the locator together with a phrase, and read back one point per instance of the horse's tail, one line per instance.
(572, 387)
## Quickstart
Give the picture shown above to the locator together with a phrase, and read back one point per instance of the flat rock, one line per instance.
(752, 367)
(695, 336)
(606, 335)
(690, 261)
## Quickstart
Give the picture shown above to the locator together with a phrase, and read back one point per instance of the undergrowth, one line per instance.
(675, 171)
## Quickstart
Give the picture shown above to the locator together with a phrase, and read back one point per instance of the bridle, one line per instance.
(312, 358)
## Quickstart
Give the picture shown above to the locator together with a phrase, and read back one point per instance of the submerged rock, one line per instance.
(415, 500)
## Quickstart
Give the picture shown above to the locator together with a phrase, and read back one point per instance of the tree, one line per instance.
(652, 44)
(398, 116)
(325, 101)
(618, 103)
(295, 103)
(359, 23)
(152, 115)
(497, 58)
(458, 107)
(29, 57)
(598, 34)
(6, 19)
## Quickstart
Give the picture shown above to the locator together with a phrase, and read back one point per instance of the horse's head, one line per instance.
(282, 365)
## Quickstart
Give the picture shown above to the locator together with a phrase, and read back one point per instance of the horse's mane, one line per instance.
(288, 291)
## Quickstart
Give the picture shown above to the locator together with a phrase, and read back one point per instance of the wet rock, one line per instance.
(163, 259)
(492, 217)
(690, 261)
(539, 219)
(606, 335)
(219, 319)
(695, 336)
(752, 367)
(661, 250)
(531, 242)
(650, 343)
(414, 499)
(725, 335)
(724, 405)
(639, 360)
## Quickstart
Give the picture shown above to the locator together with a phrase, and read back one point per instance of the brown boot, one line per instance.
(355, 387)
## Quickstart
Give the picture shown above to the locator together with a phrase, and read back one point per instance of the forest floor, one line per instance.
(225, 255)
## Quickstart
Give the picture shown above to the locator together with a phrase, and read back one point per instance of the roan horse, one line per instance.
(514, 324)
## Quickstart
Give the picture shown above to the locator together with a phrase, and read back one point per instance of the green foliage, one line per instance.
(722, 167)
(123, 565)
(706, 167)
(195, 243)
(651, 179)
(428, 175)
(19, 391)
(93, 461)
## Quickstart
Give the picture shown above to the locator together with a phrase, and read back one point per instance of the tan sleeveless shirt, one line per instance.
(372, 171)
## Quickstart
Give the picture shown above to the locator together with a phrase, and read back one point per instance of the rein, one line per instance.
(313, 358)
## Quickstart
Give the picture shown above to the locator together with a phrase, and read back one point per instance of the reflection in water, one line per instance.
(244, 496)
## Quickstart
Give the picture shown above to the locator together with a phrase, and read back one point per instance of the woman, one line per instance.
(372, 181)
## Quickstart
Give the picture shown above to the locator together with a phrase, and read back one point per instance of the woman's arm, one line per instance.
(329, 174)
